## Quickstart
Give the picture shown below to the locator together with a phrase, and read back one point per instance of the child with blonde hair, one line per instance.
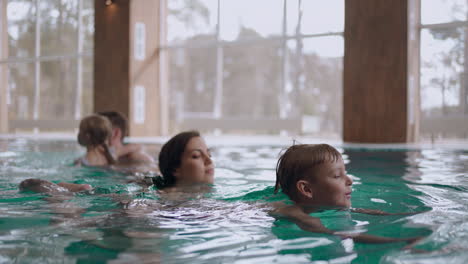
(95, 134)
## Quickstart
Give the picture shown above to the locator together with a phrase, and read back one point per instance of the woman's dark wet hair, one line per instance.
(170, 158)
(298, 161)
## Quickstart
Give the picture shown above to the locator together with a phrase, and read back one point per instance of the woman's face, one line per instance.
(196, 165)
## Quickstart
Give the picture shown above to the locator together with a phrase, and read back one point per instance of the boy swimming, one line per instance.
(314, 178)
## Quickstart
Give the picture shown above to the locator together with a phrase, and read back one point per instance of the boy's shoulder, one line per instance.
(287, 210)
(133, 153)
(296, 214)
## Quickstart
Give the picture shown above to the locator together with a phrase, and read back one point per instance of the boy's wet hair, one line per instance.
(170, 158)
(118, 120)
(298, 161)
(95, 130)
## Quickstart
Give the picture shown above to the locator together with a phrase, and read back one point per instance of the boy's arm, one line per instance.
(378, 212)
(365, 238)
(303, 220)
(142, 157)
(74, 187)
(369, 211)
(135, 153)
(313, 224)
(128, 149)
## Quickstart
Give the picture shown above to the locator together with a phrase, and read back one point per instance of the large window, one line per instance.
(49, 62)
(443, 80)
(262, 60)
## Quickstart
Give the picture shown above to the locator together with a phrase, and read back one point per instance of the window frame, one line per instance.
(183, 116)
(37, 121)
(453, 125)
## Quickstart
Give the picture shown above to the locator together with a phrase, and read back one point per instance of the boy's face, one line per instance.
(331, 185)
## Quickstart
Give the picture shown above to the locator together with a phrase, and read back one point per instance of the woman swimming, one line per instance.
(184, 161)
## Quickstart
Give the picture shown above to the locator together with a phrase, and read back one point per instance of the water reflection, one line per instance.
(382, 185)
(230, 222)
(437, 177)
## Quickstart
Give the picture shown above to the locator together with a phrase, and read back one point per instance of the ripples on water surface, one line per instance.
(229, 222)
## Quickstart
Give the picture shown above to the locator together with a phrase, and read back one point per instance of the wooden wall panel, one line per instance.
(116, 70)
(375, 71)
(3, 68)
(146, 73)
(111, 56)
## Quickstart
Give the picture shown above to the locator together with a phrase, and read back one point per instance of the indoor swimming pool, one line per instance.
(121, 222)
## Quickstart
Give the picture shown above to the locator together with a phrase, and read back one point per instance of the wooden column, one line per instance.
(375, 71)
(414, 97)
(3, 68)
(144, 71)
(124, 80)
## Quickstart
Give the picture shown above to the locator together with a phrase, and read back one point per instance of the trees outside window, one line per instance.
(50, 45)
(287, 63)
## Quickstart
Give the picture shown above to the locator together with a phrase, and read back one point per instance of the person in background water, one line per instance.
(95, 134)
(126, 154)
(184, 160)
(314, 178)
(43, 186)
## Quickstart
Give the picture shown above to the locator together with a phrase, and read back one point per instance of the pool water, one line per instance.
(228, 222)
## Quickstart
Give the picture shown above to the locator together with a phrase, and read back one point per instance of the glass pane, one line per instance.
(322, 16)
(442, 11)
(88, 25)
(332, 46)
(58, 82)
(190, 18)
(21, 28)
(192, 80)
(21, 88)
(246, 18)
(59, 27)
(87, 89)
(292, 16)
(252, 80)
(315, 82)
(442, 60)
(175, 83)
